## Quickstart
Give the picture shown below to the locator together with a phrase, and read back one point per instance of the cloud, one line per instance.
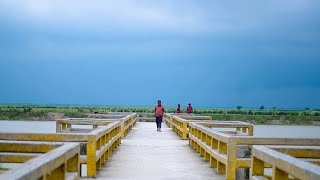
(189, 18)
(124, 14)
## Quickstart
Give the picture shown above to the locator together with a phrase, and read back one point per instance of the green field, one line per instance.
(255, 116)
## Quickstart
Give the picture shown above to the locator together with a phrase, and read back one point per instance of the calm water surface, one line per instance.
(259, 130)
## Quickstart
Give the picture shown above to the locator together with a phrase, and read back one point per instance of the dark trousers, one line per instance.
(158, 121)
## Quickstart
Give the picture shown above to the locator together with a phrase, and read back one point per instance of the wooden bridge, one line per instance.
(189, 147)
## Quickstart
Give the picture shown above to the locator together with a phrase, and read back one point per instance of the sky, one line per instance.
(207, 53)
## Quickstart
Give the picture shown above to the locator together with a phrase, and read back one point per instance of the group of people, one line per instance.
(189, 109)
(159, 111)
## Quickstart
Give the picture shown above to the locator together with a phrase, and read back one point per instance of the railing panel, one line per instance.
(93, 142)
(59, 163)
(283, 164)
(224, 148)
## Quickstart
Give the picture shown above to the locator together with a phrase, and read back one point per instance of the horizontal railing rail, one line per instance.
(285, 162)
(194, 117)
(108, 116)
(60, 161)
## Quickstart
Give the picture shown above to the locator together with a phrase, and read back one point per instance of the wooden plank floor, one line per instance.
(147, 154)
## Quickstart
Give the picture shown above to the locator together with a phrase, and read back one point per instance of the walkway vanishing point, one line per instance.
(203, 149)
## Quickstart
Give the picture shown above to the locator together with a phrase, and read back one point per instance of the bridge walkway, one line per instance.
(147, 154)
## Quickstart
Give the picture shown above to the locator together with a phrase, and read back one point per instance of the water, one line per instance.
(286, 131)
(28, 126)
(32, 126)
(282, 131)
(259, 130)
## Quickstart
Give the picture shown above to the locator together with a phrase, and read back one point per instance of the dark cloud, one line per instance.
(208, 53)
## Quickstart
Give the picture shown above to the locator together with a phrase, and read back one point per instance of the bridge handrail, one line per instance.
(108, 116)
(193, 117)
(221, 149)
(62, 162)
(284, 164)
(100, 143)
(181, 126)
(127, 123)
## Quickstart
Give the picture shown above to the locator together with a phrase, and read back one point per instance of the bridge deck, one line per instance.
(148, 154)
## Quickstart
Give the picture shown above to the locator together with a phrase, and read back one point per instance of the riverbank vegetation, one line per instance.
(260, 115)
(3, 168)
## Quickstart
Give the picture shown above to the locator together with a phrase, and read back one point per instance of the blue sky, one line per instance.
(208, 53)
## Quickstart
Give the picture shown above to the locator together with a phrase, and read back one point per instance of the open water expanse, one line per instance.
(259, 130)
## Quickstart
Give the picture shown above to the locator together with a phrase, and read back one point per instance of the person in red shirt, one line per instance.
(158, 113)
(178, 109)
(189, 109)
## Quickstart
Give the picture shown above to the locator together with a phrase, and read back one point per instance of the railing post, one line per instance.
(250, 130)
(222, 149)
(58, 173)
(208, 143)
(63, 126)
(91, 156)
(277, 174)
(244, 130)
(232, 148)
(73, 164)
(190, 133)
(184, 130)
(122, 130)
(202, 139)
(257, 167)
(58, 126)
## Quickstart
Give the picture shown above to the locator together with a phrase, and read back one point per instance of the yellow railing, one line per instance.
(285, 162)
(108, 116)
(60, 161)
(97, 145)
(127, 123)
(181, 125)
(65, 125)
(100, 145)
(221, 149)
(194, 117)
(145, 117)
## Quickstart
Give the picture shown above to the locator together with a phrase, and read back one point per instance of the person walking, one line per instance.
(189, 109)
(178, 109)
(158, 113)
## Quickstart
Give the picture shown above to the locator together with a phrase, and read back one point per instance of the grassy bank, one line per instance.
(286, 117)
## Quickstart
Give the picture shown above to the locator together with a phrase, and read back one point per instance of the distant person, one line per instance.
(178, 109)
(158, 113)
(189, 109)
